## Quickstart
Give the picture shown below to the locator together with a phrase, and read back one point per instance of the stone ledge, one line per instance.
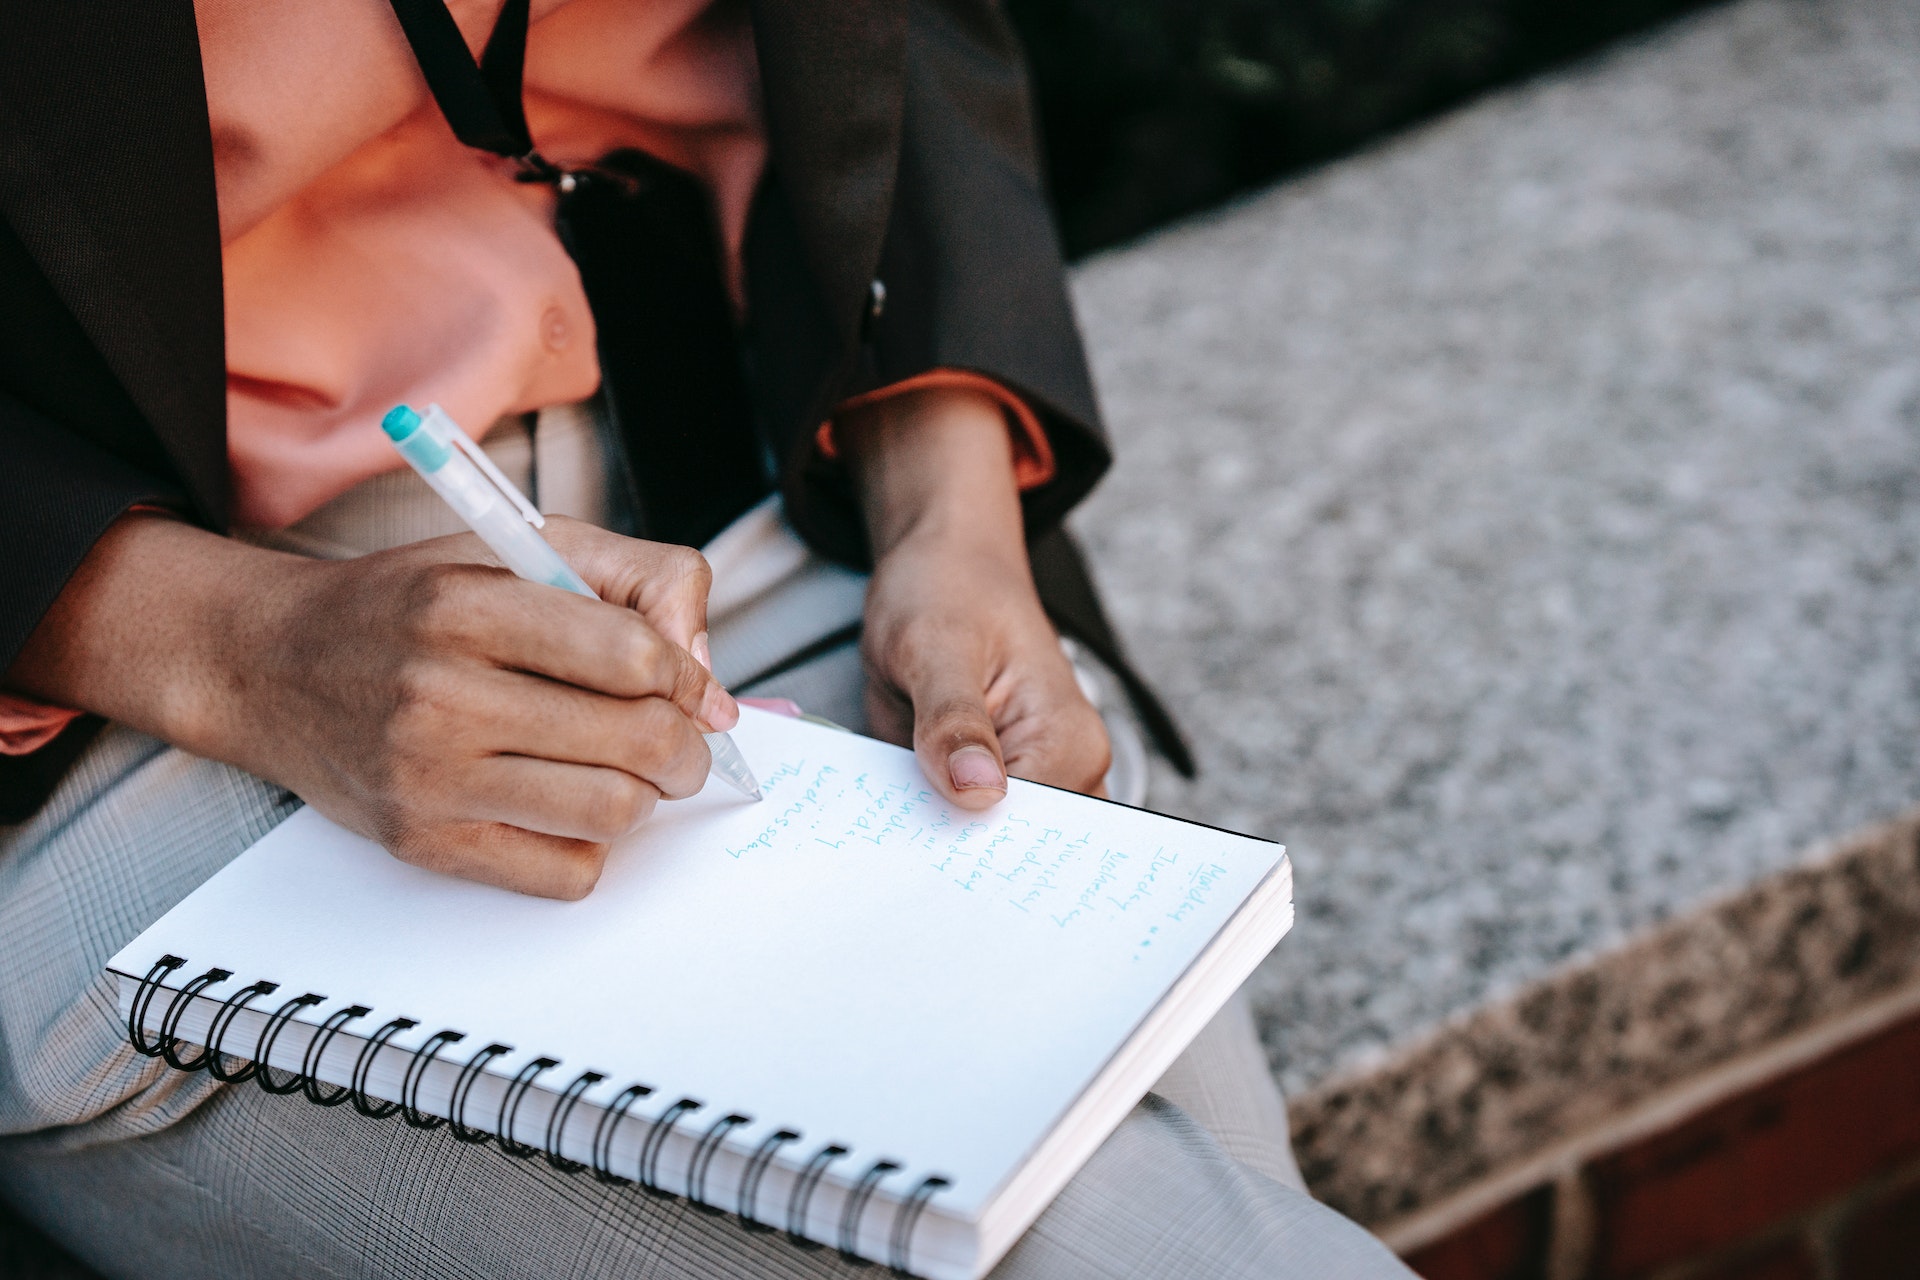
(1813, 1173)
(1559, 1063)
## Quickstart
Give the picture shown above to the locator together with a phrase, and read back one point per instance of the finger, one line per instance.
(952, 730)
(552, 798)
(485, 613)
(506, 856)
(889, 714)
(665, 584)
(652, 739)
(1049, 729)
(517, 714)
(1054, 735)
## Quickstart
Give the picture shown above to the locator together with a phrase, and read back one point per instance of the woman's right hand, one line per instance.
(473, 723)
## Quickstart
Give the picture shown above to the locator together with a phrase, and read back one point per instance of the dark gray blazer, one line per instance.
(902, 150)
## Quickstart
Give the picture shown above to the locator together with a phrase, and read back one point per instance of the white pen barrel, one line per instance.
(525, 552)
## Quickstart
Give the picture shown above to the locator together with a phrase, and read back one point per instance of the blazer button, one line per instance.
(876, 299)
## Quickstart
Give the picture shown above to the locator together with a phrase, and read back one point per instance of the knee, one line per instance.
(1161, 1198)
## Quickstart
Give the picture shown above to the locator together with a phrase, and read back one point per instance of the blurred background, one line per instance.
(1151, 109)
(1516, 408)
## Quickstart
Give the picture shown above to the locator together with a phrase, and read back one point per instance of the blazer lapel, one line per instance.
(106, 175)
(834, 75)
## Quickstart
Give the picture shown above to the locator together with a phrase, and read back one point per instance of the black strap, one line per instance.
(481, 101)
(647, 240)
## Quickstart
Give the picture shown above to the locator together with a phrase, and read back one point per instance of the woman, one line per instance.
(234, 234)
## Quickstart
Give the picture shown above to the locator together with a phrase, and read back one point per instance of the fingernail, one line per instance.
(719, 709)
(702, 652)
(974, 768)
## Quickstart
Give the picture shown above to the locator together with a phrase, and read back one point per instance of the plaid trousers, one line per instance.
(137, 1168)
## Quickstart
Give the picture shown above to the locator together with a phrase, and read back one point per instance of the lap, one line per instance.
(129, 1163)
(135, 827)
(252, 1185)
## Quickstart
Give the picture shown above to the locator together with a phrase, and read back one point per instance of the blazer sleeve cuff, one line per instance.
(1033, 463)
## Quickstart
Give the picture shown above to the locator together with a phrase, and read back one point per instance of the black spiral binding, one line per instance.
(463, 1089)
(213, 1058)
(364, 1063)
(703, 1156)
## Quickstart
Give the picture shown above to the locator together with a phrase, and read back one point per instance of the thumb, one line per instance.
(953, 736)
(665, 584)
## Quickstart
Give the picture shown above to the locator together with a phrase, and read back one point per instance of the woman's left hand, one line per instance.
(961, 659)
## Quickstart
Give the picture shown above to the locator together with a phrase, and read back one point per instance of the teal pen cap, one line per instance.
(400, 422)
(460, 471)
(404, 427)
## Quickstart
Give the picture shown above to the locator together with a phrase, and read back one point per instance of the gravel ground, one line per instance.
(1524, 517)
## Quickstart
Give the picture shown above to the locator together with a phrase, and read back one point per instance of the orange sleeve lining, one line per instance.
(1032, 455)
(26, 725)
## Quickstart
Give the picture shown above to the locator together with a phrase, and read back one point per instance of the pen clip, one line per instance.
(465, 444)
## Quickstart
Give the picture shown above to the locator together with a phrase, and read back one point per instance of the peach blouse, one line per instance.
(370, 258)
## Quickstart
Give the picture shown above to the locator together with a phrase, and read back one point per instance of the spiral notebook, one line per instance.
(850, 1012)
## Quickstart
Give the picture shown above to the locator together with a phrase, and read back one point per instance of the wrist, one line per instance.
(936, 466)
(146, 630)
(213, 699)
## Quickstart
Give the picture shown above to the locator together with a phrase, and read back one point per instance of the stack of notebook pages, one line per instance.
(850, 1012)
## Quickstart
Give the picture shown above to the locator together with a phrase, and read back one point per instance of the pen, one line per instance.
(461, 472)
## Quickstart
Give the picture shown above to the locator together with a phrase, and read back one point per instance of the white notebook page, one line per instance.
(850, 958)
